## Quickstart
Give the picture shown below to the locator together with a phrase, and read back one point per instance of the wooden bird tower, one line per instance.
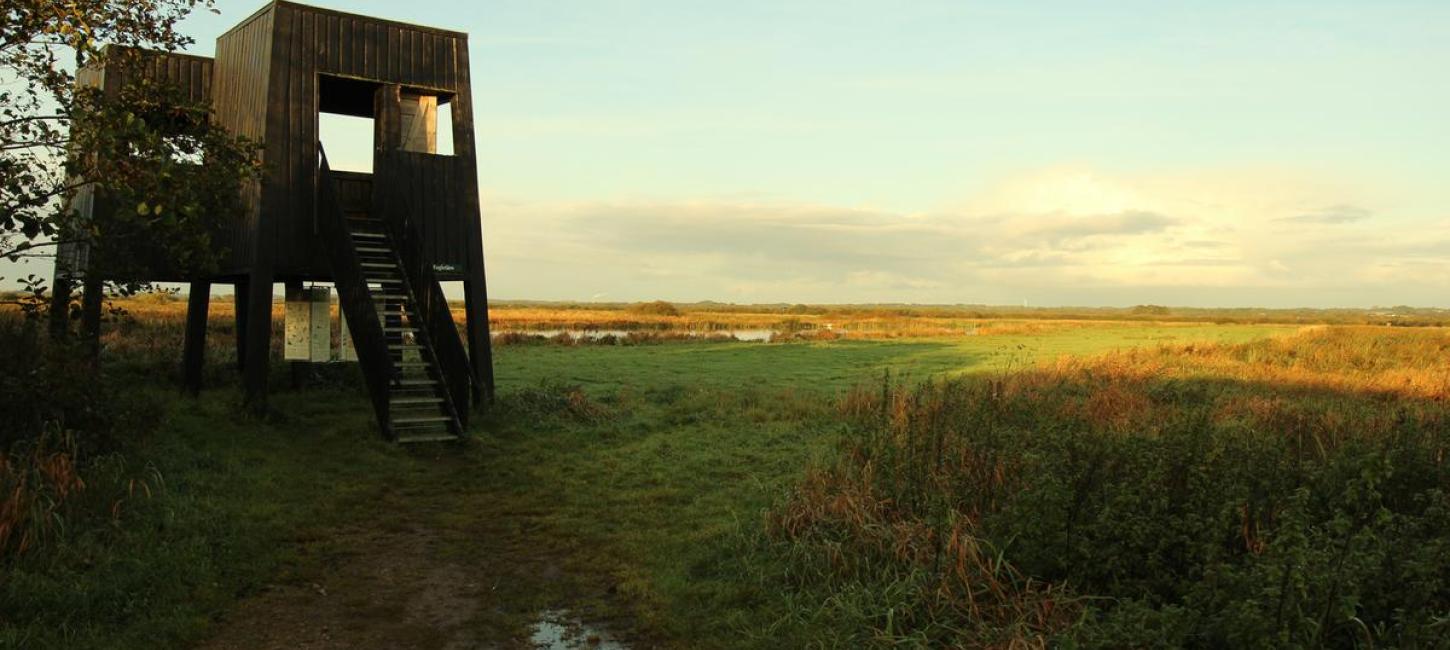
(385, 239)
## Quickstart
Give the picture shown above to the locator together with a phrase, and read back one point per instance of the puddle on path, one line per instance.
(556, 629)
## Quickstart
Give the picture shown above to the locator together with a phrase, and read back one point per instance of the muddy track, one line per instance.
(417, 588)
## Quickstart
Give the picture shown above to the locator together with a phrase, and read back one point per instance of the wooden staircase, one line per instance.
(419, 406)
(413, 362)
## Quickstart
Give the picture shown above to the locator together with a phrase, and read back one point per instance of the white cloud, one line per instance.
(1247, 238)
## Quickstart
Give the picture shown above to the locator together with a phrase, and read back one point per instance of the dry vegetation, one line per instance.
(886, 322)
(1286, 492)
(843, 324)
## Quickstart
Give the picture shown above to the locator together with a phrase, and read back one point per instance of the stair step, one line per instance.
(368, 235)
(422, 419)
(416, 400)
(435, 422)
(374, 249)
(379, 265)
(412, 364)
(400, 329)
(417, 382)
(437, 437)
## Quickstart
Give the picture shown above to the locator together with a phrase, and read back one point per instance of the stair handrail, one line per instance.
(354, 297)
(430, 304)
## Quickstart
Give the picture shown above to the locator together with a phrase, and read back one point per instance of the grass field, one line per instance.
(781, 495)
(834, 365)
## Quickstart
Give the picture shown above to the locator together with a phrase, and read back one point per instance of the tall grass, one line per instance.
(1287, 493)
(36, 480)
(59, 451)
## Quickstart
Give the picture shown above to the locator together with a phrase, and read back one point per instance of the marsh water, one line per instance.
(740, 334)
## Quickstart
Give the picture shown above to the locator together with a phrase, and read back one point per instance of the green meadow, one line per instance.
(636, 491)
(834, 365)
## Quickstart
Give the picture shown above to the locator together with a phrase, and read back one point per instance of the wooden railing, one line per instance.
(393, 193)
(356, 301)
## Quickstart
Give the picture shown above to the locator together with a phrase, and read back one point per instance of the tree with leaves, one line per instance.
(159, 172)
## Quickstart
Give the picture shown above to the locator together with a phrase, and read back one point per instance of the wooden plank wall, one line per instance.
(240, 70)
(354, 192)
(434, 187)
(311, 41)
(192, 74)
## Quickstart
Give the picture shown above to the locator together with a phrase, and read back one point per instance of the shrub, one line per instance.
(1150, 310)
(655, 308)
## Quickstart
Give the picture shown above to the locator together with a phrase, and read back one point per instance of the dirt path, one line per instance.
(391, 593)
(406, 589)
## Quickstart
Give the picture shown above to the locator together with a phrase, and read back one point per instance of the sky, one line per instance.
(1221, 153)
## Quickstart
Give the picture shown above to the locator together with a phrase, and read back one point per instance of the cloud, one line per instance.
(1085, 231)
(1336, 214)
(1059, 237)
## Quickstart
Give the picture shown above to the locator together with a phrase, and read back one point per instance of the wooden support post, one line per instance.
(91, 302)
(480, 344)
(475, 286)
(258, 341)
(60, 296)
(239, 317)
(387, 125)
(193, 348)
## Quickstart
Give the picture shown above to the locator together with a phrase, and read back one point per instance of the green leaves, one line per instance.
(56, 133)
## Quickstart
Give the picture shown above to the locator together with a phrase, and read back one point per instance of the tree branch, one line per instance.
(33, 118)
